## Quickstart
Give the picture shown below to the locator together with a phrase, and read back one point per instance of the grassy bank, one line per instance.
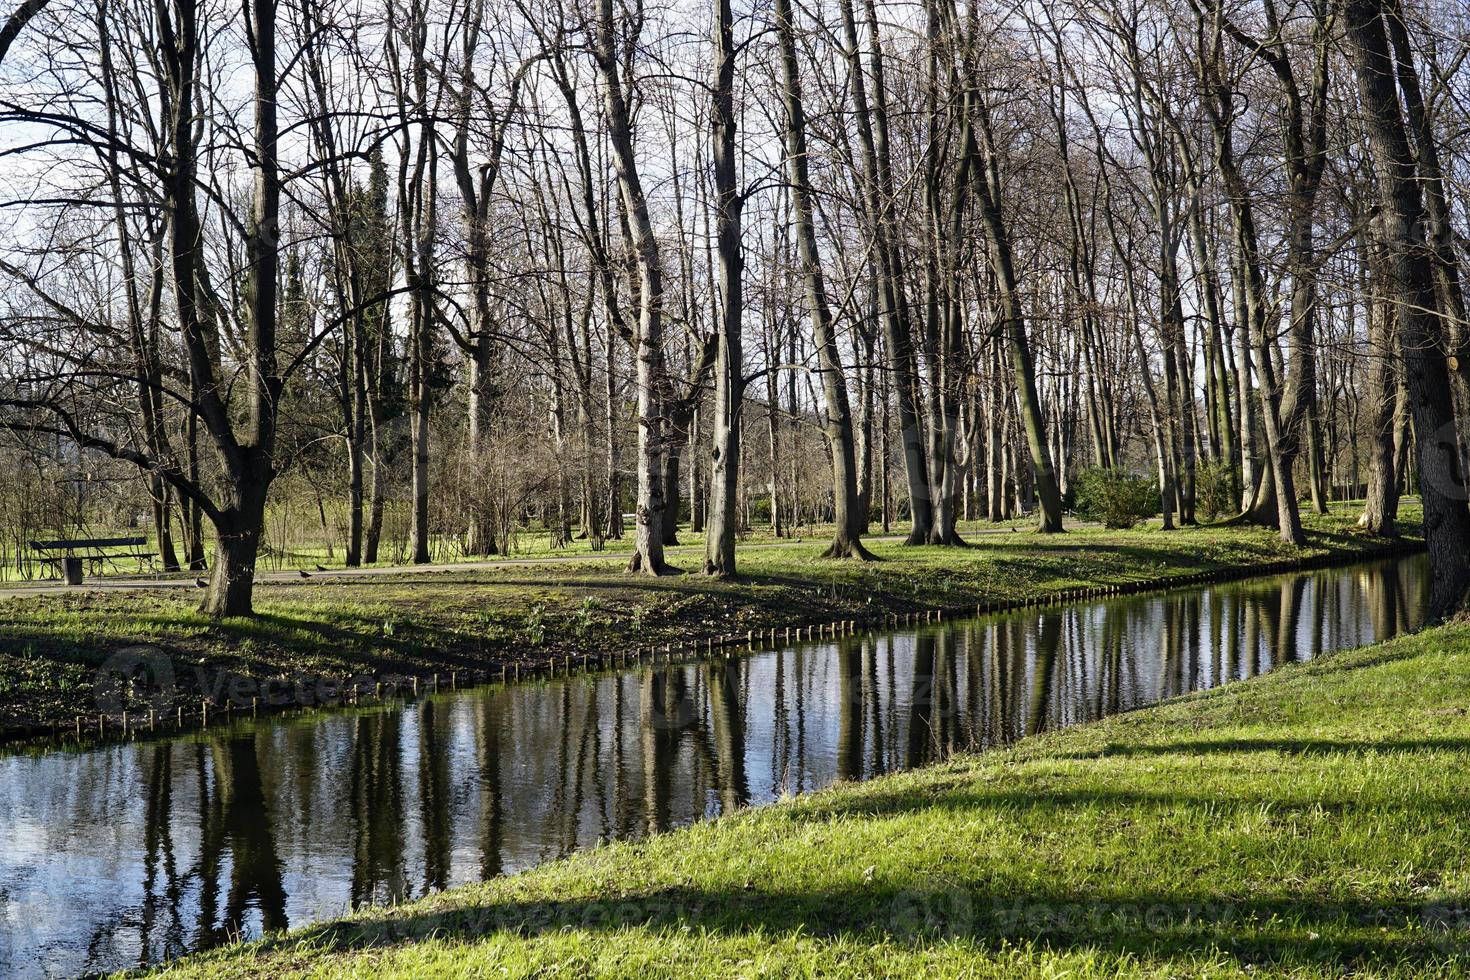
(1308, 823)
(51, 646)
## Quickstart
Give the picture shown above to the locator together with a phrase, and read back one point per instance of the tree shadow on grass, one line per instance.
(1285, 746)
(1019, 801)
(1146, 925)
(269, 641)
(975, 905)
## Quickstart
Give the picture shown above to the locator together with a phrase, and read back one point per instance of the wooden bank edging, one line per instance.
(376, 690)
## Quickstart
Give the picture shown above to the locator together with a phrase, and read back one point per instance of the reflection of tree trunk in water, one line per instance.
(872, 697)
(1252, 660)
(1048, 640)
(209, 845)
(1270, 608)
(1290, 615)
(729, 729)
(890, 731)
(1188, 613)
(663, 694)
(1099, 698)
(1169, 628)
(245, 822)
(158, 859)
(1077, 638)
(1216, 654)
(377, 811)
(1384, 601)
(975, 685)
(849, 710)
(798, 671)
(1405, 620)
(626, 817)
(1319, 615)
(1115, 654)
(560, 807)
(780, 725)
(999, 688)
(1016, 673)
(1195, 624)
(304, 751)
(946, 683)
(1224, 634)
(492, 810)
(921, 703)
(588, 773)
(1236, 628)
(434, 793)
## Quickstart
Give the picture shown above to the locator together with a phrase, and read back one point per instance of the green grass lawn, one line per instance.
(527, 543)
(1309, 823)
(307, 547)
(415, 623)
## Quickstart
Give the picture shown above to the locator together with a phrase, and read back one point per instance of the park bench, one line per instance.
(67, 554)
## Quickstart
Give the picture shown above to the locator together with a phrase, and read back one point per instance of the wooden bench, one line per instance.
(67, 554)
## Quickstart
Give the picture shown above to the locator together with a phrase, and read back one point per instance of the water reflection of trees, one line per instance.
(375, 800)
(727, 710)
(488, 786)
(162, 927)
(1043, 676)
(236, 823)
(510, 776)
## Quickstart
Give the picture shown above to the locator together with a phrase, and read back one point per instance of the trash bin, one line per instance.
(71, 570)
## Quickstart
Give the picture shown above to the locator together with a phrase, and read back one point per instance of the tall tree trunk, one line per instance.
(1252, 292)
(1439, 223)
(613, 484)
(418, 196)
(1013, 325)
(193, 512)
(719, 551)
(672, 459)
(1380, 508)
(422, 399)
(881, 197)
(240, 523)
(377, 495)
(648, 548)
(847, 532)
(356, 456)
(697, 487)
(1217, 371)
(1410, 267)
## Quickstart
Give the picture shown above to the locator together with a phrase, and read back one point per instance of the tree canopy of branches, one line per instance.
(468, 267)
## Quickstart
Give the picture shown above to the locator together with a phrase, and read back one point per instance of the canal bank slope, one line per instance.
(65, 660)
(1305, 823)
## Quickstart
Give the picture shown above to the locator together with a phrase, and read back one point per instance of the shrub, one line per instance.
(1115, 498)
(1214, 489)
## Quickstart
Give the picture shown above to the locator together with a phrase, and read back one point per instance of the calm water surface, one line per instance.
(133, 853)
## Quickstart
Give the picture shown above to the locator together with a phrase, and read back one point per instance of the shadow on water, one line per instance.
(133, 853)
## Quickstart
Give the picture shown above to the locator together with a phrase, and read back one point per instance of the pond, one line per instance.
(132, 853)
